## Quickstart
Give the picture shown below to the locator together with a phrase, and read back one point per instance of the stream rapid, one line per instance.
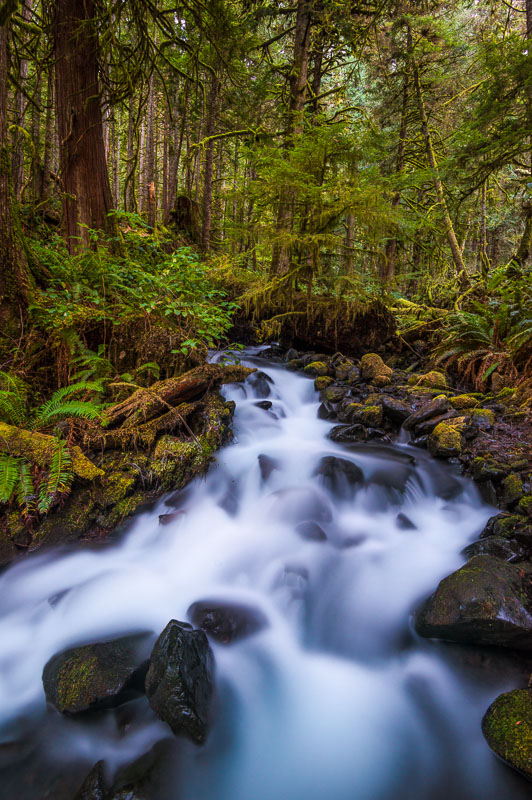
(336, 698)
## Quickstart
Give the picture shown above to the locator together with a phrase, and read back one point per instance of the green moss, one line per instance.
(372, 366)
(506, 393)
(512, 489)
(322, 382)
(318, 368)
(485, 469)
(463, 401)
(483, 418)
(73, 681)
(372, 416)
(433, 379)
(445, 440)
(525, 505)
(507, 726)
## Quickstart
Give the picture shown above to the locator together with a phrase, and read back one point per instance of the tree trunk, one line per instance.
(150, 188)
(48, 139)
(87, 198)
(15, 280)
(431, 157)
(281, 255)
(525, 245)
(17, 155)
(391, 245)
(209, 162)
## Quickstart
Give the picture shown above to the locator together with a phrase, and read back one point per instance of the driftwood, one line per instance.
(146, 404)
(39, 448)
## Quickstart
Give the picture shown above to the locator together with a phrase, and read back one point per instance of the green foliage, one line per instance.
(60, 476)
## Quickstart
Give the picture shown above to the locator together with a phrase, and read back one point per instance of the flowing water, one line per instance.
(337, 698)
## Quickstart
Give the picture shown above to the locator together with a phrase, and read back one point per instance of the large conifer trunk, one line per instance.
(86, 190)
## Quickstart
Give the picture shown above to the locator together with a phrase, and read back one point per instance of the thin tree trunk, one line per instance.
(431, 156)
(87, 198)
(132, 157)
(525, 245)
(20, 114)
(209, 162)
(349, 242)
(391, 245)
(150, 158)
(36, 165)
(48, 138)
(281, 254)
(142, 167)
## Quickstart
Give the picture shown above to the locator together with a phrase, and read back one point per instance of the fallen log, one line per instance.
(141, 435)
(146, 404)
(39, 448)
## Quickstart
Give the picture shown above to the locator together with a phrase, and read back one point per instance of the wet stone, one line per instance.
(429, 424)
(267, 465)
(325, 411)
(507, 727)
(179, 682)
(94, 785)
(260, 383)
(96, 676)
(311, 531)
(404, 523)
(226, 622)
(339, 475)
(264, 404)
(394, 410)
(348, 433)
(433, 409)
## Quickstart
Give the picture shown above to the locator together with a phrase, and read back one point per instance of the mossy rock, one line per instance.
(525, 505)
(371, 416)
(381, 380)
(487, 469)
(316, 368)
(512, 490)
(463, 401)
(486, 602)
(432, 379)
(483, 418)
(445, 440)
(507, 727)
(334, 394)
(372, 366)
(97, 676)
(373, 399)
(322, 382)
(343, 370)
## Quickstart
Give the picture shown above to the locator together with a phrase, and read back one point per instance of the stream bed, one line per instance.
(336, 697)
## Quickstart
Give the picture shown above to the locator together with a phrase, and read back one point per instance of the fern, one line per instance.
(59, 478)
(25, 489)
(12, 408)
(59, 406)
(9, 477)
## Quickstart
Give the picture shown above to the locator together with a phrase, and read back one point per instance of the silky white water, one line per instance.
(337, 698)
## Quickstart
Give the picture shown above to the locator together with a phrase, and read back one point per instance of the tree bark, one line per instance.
(431, 157)
(87, 198)
(15, 280)
(20, 115)
(150, 187)
(281, 254)
(209, 163)
(146, 404)
(525, 245)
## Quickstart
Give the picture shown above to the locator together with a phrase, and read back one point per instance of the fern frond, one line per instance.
(9, 477)
(56, 407)
(25, 489)
(12, 408)
(59, 478)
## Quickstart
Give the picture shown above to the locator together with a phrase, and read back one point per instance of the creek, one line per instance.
(336, 698)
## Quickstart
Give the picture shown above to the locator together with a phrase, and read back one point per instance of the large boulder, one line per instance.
(507, 726)
(179, 683)
(486, 602)
(227, 622)
(434, 408)
(98, 675)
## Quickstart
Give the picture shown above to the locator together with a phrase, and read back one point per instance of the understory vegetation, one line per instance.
(175, 178)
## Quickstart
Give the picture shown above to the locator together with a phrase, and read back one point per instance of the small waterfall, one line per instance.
(335, 545)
